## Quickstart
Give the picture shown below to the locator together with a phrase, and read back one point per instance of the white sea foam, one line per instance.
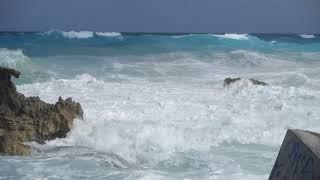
(77, 34)
(307, 36)
(151, 123)
(138, 120)
(108, 34)
(233, 36)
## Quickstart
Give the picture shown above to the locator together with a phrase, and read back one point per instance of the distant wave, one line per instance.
(217, 36)
(78, 35)
(71, 34)
(82, 34)
(233, 36)
(108, 34)
(307, 36)
(180, 40)
(181, 36)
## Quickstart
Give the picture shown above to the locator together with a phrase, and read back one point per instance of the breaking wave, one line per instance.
(13, 59)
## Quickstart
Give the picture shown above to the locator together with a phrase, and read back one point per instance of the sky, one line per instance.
(162, 16)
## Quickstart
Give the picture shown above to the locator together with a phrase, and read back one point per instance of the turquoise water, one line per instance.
(155, 106)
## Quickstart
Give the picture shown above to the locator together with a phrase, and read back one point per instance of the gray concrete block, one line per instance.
(299, 157)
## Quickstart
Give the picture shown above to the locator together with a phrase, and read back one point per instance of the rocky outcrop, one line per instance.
(229, 81)
(25, 119)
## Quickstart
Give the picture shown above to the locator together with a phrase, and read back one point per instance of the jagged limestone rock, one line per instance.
(25, 119)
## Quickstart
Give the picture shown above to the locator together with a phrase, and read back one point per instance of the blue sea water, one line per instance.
(155, 106)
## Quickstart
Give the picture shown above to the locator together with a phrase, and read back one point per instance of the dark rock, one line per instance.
(229, 81)
(5, 77)
(257, 82)
(25, 119)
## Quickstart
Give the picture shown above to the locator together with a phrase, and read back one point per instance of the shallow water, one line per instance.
(155, 106)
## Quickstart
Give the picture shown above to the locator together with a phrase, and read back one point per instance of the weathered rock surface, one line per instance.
(25, 119)
(229, 81)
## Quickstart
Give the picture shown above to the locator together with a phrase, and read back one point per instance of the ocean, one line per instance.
(155, 106)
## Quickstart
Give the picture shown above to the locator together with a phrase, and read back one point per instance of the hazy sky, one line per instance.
(250, 16)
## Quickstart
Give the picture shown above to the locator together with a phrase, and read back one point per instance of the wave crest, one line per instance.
(108, 34)
(233, 36)
(77, 35)
(82, 34)
(307, 36)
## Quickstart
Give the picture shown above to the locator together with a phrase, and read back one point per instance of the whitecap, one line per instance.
(233, 36)
(307, 36)
(77, 34)
(108, 34)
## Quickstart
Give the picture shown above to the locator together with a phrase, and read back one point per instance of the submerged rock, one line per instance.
(257, 82)
(229, 81)
(25, 119)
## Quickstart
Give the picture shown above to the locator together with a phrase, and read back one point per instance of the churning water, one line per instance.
(155, 106)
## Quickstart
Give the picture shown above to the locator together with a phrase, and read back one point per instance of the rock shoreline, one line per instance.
(26, 119)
